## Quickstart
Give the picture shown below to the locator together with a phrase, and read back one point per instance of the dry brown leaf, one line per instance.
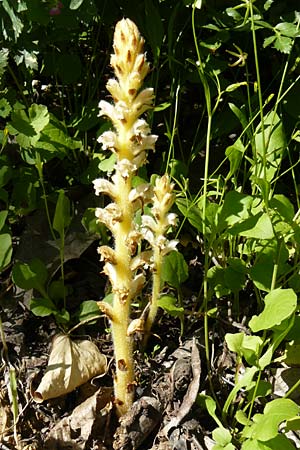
(90, 417)
(71, 363)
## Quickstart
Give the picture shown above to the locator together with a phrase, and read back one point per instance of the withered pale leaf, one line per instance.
(71, 363)
(75, 430)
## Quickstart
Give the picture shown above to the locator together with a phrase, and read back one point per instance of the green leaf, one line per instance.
(245, 346)
(236, 208)
(5, 173)
(273, 136)
(39, 117)
(108, 164)
(42, 307)
(4, 52)
(268, 41)
(190, 211)
(234, 154)
(283, 44)
(221, 436)
(5, 108)
(174, 269)
(235, 274)
(88, 309)
(31, 275)
(210, 404)
(265, 426)
(279, 305)
(280, 442)
(3, 216)
(62, 215)
(288, 29)
(16, 23)
(168, 304)
(257, 227)
(75, 4)
(5, 250)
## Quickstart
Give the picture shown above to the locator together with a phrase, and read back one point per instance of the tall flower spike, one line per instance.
(130, 139)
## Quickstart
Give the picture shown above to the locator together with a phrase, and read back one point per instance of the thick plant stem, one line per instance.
(124, 379)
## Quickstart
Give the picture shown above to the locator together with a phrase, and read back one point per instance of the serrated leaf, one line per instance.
(39, 117)
(5, 108)
(288, 29)
(268, 41)
(284, 44)
(279, 305)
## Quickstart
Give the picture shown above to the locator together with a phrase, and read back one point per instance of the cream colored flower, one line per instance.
(103, 186)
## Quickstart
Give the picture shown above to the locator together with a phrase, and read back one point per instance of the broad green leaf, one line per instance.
(168, 304)
(245, 346)
(216, 278)
(221, 436)
(62, 216)
(283, 206)
(88, 309)
(57, 290)
(235, 274)
(42, 307)
(3, 216)
(257, 227)
(174, 269)
(279, 305)
(236, 208)
(191, 212)
(5, 250)
(31, 275)
(265, 426)
(275, 144)
(279, 442)
(20, 124)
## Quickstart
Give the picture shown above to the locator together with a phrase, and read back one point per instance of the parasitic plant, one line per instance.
(124, 264)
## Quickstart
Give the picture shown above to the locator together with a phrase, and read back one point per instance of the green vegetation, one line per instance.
(226, 82)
